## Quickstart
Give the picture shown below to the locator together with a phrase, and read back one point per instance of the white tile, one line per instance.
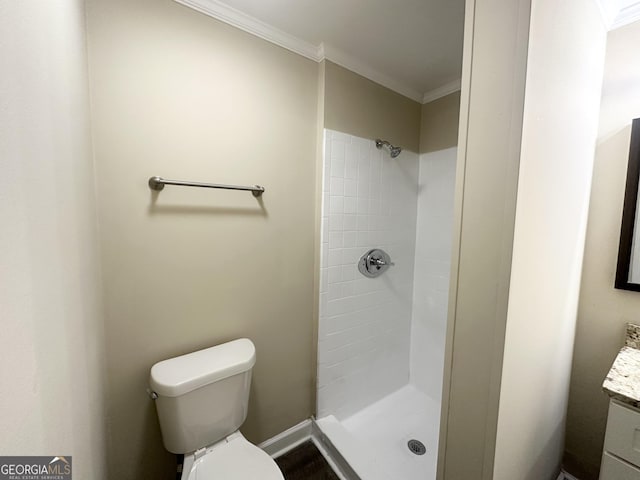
(334, 274)
(352, 255)
(348, 256)
(364, 168)
(337, 186)
(352, 150)
(334, 307)
(324, 281)
(350, 239)
(362, 223)
(362, 239)
(334, 291)
(350, 205)
(433, 244)
(349, 272)
(336, 204)
(363, 188)
(351, 167)
(350, 188)
(337, 166)
(343, 137)
(338, 147)
(349, 222)
(367, 320)
(336, 222)
(362, 205)
(360, 285)
(335, 257)
(336, 239)
(348, 289)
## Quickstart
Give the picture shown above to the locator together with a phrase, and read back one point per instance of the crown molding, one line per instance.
(232, 16)
(615, 16)
(347, 61)
(626, 16)
(608, 11)
(252, 25)
(442, 91)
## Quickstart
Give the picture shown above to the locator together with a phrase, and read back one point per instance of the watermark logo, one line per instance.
(35, 468)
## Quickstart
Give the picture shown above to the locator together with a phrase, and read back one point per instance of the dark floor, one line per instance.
(305, 462)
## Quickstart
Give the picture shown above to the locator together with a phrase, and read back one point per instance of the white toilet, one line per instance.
(202, 400)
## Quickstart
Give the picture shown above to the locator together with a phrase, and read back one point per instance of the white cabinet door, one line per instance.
(616, 469)
(623, 433)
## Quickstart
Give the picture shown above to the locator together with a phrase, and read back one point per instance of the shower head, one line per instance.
(393, 151)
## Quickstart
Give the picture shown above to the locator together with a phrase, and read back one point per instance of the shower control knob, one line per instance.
(378, 262)
(374, 263)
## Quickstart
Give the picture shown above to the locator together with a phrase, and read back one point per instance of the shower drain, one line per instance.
(417, 447)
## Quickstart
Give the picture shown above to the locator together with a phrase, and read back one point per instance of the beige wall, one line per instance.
(439, 123)
(358, 106)
(493, 77)
(562, 99)
(52, 367)
(527, 137)
(178, 94)
(603, 310)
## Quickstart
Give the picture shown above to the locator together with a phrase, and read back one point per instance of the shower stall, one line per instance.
(387, 216)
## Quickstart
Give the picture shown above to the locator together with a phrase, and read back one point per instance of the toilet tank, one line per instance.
(203, 396)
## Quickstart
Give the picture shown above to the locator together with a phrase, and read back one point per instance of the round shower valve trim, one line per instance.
(375, 262)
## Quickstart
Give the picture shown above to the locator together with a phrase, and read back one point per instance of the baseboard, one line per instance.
(287, 440)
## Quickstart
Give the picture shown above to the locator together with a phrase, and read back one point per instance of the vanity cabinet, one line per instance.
(621, 456)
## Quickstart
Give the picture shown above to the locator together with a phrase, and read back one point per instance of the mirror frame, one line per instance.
(629, 212)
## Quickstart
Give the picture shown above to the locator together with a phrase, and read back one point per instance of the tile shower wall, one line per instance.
(369, 201)
(432, 266)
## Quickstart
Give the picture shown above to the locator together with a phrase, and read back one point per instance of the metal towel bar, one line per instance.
(158, 183)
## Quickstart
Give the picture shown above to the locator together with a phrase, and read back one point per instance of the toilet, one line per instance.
(202, 400)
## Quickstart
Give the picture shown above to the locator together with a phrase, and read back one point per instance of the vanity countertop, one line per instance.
(623, 380)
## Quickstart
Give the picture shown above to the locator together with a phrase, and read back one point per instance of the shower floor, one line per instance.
(374, 440)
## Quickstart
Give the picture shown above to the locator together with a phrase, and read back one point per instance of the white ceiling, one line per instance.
(411, 46)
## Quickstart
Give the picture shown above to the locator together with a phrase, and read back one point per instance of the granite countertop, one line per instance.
(623, 380)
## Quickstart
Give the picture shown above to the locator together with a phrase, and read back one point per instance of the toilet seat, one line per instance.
(233, 458)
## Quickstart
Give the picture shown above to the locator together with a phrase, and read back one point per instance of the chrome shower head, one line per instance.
(393, 151)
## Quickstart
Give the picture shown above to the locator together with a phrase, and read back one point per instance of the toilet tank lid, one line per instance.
(183, 374)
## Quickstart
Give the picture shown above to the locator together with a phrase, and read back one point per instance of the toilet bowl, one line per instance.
(233, 458)
(202, 400)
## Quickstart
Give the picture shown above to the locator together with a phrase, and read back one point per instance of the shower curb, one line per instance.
(304, 431)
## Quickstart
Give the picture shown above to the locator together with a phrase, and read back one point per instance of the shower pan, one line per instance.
(386, 236)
